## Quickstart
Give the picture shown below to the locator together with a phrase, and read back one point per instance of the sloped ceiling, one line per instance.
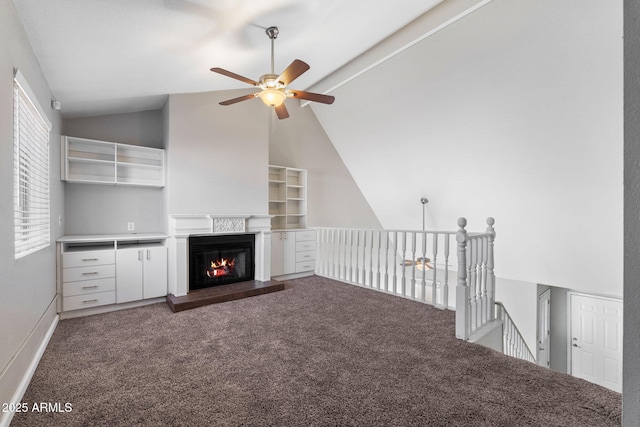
(114, 56)
(513, 111)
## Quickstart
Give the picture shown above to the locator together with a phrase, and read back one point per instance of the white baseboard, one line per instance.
(109, 308)
(18, 373)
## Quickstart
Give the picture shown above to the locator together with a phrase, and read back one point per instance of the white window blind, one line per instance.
(31, 173)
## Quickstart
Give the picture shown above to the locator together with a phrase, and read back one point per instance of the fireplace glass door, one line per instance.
(220, 260)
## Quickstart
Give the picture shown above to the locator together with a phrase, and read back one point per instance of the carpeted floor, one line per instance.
(319, 353)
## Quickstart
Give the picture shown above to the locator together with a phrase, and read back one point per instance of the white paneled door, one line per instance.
(544, 329)
(596, 340)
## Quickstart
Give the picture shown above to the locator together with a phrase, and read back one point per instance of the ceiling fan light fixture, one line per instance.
(273, 87)
(273, 97)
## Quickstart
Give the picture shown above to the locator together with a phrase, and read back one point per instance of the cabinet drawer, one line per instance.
(88, 300)
(302, 236)
(87, 258)
(301, 267)
(88, 286)
(88, 273)
(308, 245)
(305, 256)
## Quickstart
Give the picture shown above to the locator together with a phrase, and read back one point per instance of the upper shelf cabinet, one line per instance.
(287, 198)
(101, 162)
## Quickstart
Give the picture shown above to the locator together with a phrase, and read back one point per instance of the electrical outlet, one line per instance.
(131, 226)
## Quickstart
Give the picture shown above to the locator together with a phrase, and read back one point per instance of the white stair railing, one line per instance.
(475, 292)
(411, 264)
(415, 265)
(513, 344)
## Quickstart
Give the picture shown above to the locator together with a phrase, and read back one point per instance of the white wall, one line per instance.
(104, 209)
(217, 156)
(334, 199)
(27, 285)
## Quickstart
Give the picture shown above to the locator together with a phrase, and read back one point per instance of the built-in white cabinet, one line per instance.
(287, 197)
(102, 270)
(101, 162)
(293, 252)
(141, 272)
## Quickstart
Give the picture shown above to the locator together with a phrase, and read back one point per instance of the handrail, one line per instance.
(386, 230)
(512, 341)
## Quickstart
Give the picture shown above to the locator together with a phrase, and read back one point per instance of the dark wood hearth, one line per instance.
(222, 293)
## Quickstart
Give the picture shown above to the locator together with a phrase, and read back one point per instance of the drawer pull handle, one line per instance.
(89, 301)
(89, 259)
(90, 287)
(90, 273)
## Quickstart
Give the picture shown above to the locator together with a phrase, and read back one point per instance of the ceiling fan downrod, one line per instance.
(272, 32)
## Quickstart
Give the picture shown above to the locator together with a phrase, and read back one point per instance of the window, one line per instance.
(30, 170)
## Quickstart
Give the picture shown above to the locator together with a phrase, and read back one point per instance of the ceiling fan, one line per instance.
(273, 87)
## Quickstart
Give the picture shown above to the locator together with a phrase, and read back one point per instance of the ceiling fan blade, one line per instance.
(281, 111)
(234, 76)
(310, 96)
(238, 99)
(293, 71)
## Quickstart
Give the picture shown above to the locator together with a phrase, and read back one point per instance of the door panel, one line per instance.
(544, 329)
(128, 275)
(155, 272)
(596, 340)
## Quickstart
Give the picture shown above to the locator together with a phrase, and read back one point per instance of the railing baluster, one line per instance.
(412, 288)
(463, 325)
(354, 256)
(386, 261)
(378, 264)
(491, 278)
(434, 282)
(395, 262)
(471, 255)
(483, 265)
(445, 286)
(404, 267)
(371, 248)
(423, 280)
(364, 258)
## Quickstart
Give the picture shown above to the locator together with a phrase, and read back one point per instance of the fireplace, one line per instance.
(220, 260)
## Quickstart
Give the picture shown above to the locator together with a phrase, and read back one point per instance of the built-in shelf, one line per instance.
(102, 162)
(287, 197)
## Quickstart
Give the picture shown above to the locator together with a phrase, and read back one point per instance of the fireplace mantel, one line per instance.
(181, 226)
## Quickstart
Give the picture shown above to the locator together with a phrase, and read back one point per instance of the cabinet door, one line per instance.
(128, 275)
(289, 252)
(277, 253)
(154, 272)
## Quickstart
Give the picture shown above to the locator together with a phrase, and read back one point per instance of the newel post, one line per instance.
(463, 315)
(491, 277)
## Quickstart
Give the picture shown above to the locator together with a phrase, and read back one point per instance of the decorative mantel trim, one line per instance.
(183, 225)
(228, 225)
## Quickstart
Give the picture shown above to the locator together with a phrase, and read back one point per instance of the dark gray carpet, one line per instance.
(320, 353)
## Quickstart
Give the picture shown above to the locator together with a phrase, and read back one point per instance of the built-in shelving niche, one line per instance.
(287, 197)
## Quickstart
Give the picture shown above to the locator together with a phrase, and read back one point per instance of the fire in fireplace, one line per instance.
(220, 260)
(222, 267)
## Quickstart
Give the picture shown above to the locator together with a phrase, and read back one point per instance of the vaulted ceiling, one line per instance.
(110, 56)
